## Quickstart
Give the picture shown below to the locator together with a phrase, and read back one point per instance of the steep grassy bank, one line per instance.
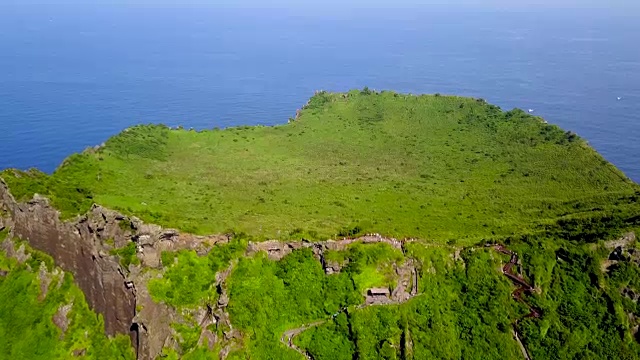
(433, 167)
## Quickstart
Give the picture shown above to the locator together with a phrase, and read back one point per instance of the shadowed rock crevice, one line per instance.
(135, 337)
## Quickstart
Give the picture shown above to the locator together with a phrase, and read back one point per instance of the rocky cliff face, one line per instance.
(77, 247)
(82, 247)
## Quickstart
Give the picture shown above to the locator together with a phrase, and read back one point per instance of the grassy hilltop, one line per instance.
(447, 170)
(433, 167)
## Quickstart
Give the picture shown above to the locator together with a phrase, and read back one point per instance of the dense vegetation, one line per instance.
(469, 313)
(270, 297)
(463, 312)
(27, 330)
(435, 167)
(586, 314)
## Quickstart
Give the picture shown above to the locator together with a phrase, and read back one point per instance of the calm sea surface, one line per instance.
(70, 77)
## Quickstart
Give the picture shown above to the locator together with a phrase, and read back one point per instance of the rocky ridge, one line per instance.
(84, 247)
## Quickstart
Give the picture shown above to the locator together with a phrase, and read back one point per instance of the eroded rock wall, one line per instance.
(76, 247)
(83, 246)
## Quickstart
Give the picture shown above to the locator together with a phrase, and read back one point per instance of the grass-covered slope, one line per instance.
(443, 169)
(433, 167)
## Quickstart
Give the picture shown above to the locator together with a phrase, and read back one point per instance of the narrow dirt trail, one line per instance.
(289, 335)
(522, 287)
(518, 280)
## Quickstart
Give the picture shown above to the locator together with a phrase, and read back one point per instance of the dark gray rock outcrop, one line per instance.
(77, 247)
(83, 246)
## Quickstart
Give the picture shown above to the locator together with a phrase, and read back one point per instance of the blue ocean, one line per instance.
(71, 76)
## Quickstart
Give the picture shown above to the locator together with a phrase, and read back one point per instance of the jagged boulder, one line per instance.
(208, 338)
(46, 278)
(332, 267)
(61, 317)
(622, 242)
(152, 321)
(9, 248)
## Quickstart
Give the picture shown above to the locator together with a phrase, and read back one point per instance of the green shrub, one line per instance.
(128, 255)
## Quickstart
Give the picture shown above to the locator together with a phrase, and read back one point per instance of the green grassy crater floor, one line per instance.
(432, 167)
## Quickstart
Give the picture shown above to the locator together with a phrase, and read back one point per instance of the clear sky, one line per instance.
(505, 4)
